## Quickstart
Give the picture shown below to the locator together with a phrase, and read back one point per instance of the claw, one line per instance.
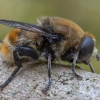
(79, 77)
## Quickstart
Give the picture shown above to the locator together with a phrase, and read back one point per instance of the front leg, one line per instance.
(23, 51)
(73, 68)
(91, 67)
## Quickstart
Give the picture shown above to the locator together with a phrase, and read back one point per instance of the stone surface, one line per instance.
(32, 78)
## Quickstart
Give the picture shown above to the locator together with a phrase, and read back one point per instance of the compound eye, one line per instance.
(86, 49)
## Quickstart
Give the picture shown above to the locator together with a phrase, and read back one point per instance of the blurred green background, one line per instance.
(86, 13)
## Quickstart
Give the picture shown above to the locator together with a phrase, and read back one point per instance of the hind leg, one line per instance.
(23, 51)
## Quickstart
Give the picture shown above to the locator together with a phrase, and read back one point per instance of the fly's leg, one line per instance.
(23, 51)
(92, 69)
(73, 68)
(49, 75)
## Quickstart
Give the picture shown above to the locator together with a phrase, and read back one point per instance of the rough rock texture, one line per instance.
(32, 78)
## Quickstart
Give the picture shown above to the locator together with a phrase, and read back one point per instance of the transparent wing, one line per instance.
(24, 26)
(33, 28)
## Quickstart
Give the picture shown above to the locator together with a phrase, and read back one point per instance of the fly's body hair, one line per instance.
(16, 37)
